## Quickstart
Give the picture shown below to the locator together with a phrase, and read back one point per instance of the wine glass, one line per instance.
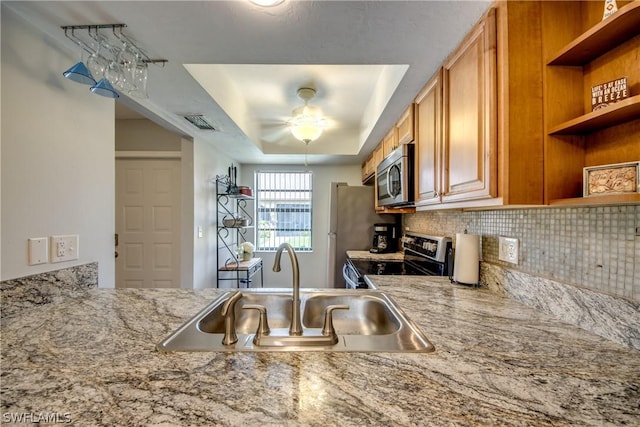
(79, 72)
(96, 62)
(104, 60)
(140, 76)
(127, 60)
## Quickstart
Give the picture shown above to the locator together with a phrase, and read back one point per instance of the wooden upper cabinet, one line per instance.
(389, 143)
(368, 169)
(492, 133)
(378, 156)
(469, 126)
(428, 142)
(405, 126)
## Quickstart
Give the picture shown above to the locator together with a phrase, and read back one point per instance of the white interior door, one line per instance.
(148, 223)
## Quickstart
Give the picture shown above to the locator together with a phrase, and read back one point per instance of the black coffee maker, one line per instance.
(385, 238)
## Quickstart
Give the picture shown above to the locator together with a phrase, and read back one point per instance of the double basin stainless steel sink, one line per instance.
(373, 323)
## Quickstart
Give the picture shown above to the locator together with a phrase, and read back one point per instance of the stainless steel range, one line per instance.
(424, 255)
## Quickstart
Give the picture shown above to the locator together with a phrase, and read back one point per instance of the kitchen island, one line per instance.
(89, 357)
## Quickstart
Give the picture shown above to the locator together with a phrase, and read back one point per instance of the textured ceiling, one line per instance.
(240, 65)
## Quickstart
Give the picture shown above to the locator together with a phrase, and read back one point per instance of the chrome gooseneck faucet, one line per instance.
(296, 326)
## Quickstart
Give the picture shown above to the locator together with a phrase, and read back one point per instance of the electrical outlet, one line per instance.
(64, 248)
(508, 249)
(38, 250)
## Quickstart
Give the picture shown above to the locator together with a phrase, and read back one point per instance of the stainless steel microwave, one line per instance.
(394, 177)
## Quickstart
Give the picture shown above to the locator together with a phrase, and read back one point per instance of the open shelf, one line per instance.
(239, 196)
(616, 29)
(619, 112)
(613, 199)
(242, 265)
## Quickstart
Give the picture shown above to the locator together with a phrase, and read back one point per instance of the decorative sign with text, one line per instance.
(608, 93)
(619, 178)
(610, 7)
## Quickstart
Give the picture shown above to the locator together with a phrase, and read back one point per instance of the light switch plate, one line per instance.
(64, 248)
(38, 250)
(508, 249)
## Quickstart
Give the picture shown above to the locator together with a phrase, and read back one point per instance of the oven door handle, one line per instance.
(345, 273)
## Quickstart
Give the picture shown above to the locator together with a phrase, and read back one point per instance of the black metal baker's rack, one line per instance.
(231, 233)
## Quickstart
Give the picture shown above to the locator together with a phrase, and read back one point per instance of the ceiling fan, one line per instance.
(306, 122)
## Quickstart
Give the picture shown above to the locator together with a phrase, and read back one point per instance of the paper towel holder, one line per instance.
(465, 266)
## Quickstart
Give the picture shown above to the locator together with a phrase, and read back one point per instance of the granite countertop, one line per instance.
(90, 356)
(366, 255)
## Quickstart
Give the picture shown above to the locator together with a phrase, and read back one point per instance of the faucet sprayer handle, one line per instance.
(263, 324)
(328, 330)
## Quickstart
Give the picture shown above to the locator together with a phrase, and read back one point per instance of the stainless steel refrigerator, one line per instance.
(351, 220)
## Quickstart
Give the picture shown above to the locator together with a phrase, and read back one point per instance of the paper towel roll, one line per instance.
(466, 266)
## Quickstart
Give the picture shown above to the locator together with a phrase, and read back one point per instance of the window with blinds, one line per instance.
(283, 210)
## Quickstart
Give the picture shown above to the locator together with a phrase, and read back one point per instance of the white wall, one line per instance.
(207, 163)
(188, 206)
(145, 135)
(57, 155)
(313, 265)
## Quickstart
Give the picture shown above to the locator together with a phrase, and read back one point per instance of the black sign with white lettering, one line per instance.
(608, 93)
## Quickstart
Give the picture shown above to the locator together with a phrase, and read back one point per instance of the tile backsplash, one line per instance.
(591, 247)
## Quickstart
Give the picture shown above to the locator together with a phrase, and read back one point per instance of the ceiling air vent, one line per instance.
(200, 121)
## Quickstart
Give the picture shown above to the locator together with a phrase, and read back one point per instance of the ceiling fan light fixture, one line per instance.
(307, 128)
(266, 3)
(307, 124)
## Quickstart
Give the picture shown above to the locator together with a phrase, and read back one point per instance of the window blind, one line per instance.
(284, 210)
